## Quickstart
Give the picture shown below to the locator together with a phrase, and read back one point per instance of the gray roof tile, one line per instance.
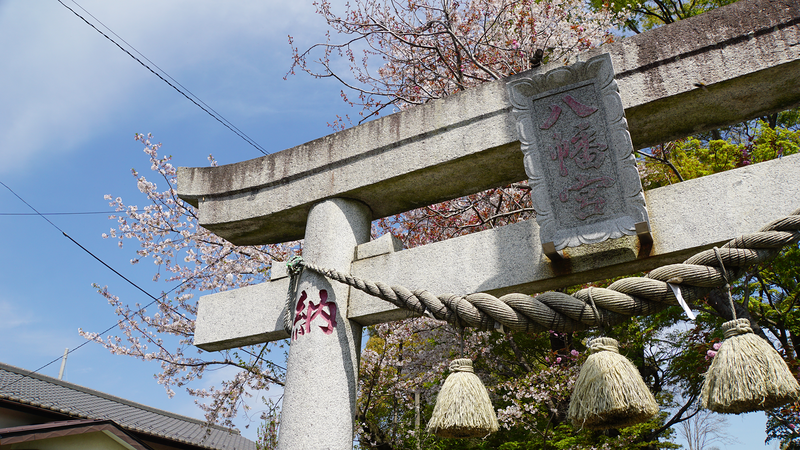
(21, 386)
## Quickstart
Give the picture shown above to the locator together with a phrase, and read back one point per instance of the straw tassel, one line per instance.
(463, 408)
(747, 374)
(609, 392)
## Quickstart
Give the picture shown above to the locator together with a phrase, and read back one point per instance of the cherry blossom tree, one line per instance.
(391, 55)
(428, 49)
(194, 260)
(423, 50)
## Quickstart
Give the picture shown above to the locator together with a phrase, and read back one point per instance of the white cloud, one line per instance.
(63, 83)
(23, 338)
(12, 316)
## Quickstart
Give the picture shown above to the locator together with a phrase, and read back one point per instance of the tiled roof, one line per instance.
(49, 430)
(45, 392)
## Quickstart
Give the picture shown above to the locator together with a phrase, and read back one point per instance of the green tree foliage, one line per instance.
(784, 426)
(648, 14)
(530, 375)
(698, 156)
(529, 382)
(769, 293)
(773, 303)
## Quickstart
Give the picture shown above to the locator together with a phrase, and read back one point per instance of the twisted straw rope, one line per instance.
(635, 296)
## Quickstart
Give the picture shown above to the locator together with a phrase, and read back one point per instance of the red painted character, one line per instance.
(588, 152)
(587, 188)
(306, 311)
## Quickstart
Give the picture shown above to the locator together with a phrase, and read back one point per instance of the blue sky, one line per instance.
(70, 103)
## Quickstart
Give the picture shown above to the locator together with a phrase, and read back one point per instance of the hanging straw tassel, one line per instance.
(747, 374)
(463, 408)
(609, 392)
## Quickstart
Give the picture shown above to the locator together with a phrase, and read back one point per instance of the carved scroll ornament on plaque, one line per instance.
(578, 154)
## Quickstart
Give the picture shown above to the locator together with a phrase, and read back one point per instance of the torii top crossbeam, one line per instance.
(716, 69)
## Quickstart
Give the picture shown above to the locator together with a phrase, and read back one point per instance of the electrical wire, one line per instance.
(102, 262)
(204, 106)
(58, 213)
(119, 322)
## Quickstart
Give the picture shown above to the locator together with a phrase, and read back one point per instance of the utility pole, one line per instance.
(416, 420)
(63, 363)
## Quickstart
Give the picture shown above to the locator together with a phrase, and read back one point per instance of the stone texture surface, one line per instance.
(578, 154)
(244, 316)
(384, 244)
(685, 218)
(319, 401)
(718, 68)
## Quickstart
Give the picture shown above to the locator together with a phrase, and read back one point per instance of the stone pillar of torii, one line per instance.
(729, 65)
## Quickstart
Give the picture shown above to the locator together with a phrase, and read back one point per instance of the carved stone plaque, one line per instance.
(578, 154)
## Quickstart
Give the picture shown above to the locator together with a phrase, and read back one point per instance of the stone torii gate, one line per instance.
(728, 65)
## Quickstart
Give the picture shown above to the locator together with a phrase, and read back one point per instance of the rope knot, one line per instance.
(461, 365)
(295, 265)
(604, 344)
(736, 327)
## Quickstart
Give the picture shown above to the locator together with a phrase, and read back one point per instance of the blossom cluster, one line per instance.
(192, 259)
(712, 353)
(535, 394)
(429, 49)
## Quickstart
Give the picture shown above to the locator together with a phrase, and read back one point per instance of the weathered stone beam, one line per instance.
(718, 68)
(245, 316)
(685, 218)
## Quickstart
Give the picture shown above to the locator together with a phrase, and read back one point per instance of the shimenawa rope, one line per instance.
(565, 313)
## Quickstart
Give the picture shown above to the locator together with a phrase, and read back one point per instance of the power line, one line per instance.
(119, 322)
(204, 106)
(126, 279)
(59, 213)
